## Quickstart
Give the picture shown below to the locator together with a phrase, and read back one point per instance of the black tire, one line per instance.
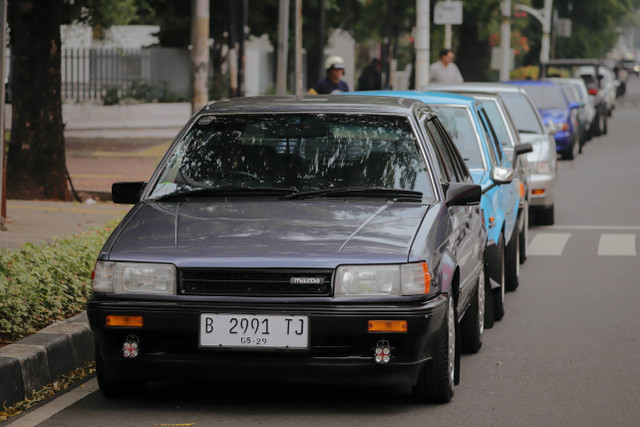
(472, 324)
(512, 261)
(605, 128)
(498, 294)
(436, 379)
(114, 389)
(597, 126)
(546, 216)
(524, 236)
(489, 319)
(572, 151)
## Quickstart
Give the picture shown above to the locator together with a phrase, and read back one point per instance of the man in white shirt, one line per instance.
(445, 71)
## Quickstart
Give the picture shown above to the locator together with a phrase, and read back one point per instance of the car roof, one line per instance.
(314, 103)
(475, 87)
(532, 83)
(426, 97)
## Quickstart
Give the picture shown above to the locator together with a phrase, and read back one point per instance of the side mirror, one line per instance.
(463, 194)
(501, 175)
(523, 148)
(127, 192)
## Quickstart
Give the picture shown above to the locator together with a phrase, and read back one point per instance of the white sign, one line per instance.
(448, 13)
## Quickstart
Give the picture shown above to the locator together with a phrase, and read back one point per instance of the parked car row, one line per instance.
(366, 237)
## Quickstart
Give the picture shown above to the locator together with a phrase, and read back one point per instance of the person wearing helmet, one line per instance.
(331, 83)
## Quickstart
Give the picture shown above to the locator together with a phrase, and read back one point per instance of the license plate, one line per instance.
(254, 331)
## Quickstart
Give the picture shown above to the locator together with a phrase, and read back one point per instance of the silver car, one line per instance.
(542, 161)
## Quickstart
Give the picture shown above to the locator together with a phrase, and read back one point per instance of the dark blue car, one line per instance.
(559, 115)
(296, 239)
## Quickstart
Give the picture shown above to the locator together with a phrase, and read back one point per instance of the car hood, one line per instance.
(554, 115)
(542, 147)
(257, 233)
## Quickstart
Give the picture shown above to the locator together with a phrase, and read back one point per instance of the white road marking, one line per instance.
(617, 245)
(551, 244)
(56, 405)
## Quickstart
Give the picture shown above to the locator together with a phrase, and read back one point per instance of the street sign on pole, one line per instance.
(448, 13)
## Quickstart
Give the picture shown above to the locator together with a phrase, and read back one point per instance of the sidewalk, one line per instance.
(97, 156)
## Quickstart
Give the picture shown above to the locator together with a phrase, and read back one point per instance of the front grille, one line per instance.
(254, 282)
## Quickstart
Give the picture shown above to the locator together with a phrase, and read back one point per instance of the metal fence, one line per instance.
(100, 73)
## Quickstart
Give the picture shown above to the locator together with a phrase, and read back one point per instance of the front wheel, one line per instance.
(436, 379)
(498, 294)
(512, 259)
(524, 235)
(546, 216)
(472, 325)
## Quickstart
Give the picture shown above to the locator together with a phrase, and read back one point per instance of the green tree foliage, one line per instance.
(593, 32)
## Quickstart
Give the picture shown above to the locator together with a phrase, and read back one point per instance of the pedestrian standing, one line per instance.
(444, 70)
(371, 77)
(331, 83)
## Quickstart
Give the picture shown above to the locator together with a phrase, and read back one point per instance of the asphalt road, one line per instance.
(566, 353)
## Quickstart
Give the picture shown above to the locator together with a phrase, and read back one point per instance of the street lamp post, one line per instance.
(544, 16)
(422, 43)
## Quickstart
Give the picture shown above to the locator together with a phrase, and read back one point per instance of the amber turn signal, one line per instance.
(538, 192)
(130, 321)
(387, 326)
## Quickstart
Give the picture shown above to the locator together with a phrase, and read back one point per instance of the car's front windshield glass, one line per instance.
(296, 153)
(546, 96)
(457, 121)
(522, 113)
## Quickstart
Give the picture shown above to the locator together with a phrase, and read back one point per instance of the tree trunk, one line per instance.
(36, 166)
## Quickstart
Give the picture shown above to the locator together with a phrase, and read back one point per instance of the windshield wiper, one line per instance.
(225, 191)
(390, 193)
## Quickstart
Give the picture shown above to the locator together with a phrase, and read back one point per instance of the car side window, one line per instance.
(443, 145)
(458, 161)
(495, 151)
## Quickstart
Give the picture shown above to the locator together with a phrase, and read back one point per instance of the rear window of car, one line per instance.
(522, 113)
(546, 96)
(304, 152)
(458, 122)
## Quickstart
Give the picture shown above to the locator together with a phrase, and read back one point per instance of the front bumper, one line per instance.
(341, 350)
(541, 190)
(563, 141)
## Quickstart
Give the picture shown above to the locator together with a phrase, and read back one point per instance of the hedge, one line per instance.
(40, 285)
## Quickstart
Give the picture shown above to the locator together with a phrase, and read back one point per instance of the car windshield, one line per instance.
(546, 97)
(497, 121)
(458, 122)
(294, 153)
(522, 113)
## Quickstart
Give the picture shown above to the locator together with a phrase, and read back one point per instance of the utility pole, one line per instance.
(422, 42)
(299, 47)
(3, 172)
(199, 54)
(505, 41)
(448, 34)
(233, 48)
(283, 47)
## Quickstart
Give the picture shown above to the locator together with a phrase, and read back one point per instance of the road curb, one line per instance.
(39, 359)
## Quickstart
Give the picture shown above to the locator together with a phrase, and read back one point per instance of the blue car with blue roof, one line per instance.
(560, 116)
(468, 124)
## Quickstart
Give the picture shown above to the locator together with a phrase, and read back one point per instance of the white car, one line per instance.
(531, 129)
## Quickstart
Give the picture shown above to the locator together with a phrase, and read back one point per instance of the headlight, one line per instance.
(383, 280)
(542, 167)
(134, 278)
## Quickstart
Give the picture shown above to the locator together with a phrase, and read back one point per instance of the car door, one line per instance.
(467, 223)
(505, 197)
